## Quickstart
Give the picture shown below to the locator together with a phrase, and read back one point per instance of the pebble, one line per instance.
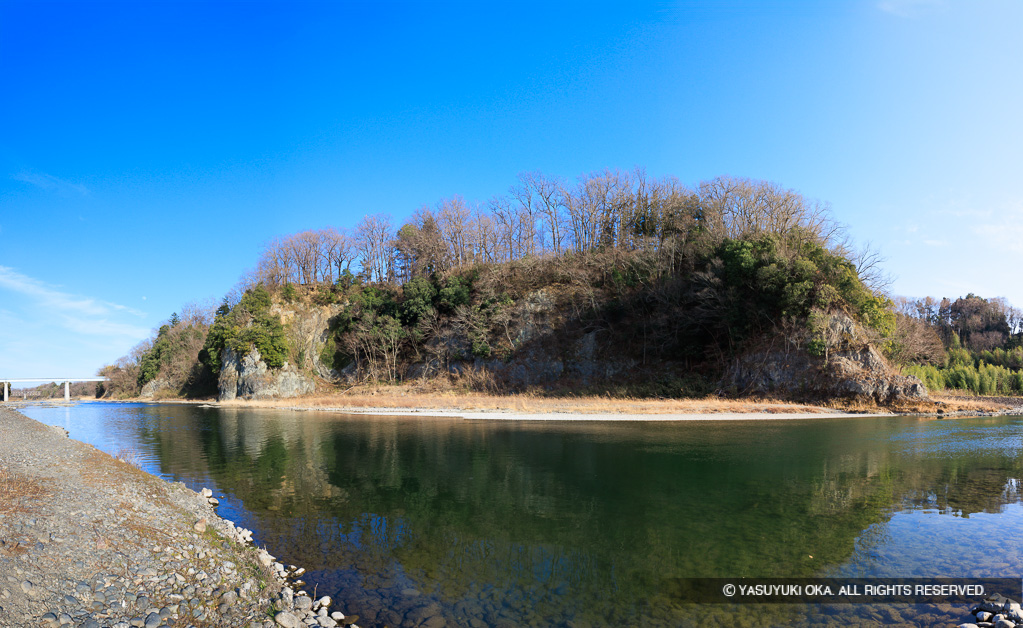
(286, 619)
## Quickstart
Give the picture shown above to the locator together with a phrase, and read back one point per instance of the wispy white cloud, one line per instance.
(52, 331)
(909, 8)
(51, 183)
(929, 242)
(54, 298)
(80, 315)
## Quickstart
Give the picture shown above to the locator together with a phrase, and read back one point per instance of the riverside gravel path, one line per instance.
(89, 540)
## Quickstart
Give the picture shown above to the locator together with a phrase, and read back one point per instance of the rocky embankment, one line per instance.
(90, 540)
(996, 612)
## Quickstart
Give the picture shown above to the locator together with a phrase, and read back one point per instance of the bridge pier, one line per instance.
(67, 383)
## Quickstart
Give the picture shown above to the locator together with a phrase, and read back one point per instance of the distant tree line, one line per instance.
(972, 343)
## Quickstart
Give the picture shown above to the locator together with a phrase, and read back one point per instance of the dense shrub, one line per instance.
(248, 325)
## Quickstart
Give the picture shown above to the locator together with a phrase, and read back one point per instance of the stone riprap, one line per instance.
(90, 540)
(996, 612)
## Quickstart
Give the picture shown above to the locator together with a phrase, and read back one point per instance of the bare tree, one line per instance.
(916, 341)
(198, 313)
(485, 234)
(542, 196)
(454, 218)
(740, 207)
(596, 208)
(869, 267)
(373, 239)
(505, 228)
(338, 252)
(275, 264)
(525, 208)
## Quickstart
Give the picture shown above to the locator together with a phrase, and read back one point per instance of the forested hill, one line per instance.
(618, 284)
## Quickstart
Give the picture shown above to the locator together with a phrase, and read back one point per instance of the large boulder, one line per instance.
(247, 376)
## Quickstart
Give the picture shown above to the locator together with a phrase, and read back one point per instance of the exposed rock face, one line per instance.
(535, 314)
(249, 377)
(549, 347)
(151, 388)
(852, 368)
(543, 352)
(308, 331)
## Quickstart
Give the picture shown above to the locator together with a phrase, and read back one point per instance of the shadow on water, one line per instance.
(409, 521)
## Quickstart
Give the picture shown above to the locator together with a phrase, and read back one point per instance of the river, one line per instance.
(412, 520)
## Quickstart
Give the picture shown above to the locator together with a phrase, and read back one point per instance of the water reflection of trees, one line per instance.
(614, 514)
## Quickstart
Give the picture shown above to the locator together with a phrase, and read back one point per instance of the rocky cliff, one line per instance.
(539, 344)
(851, 367)
(308, 329)
(150, 390)
(247, 376)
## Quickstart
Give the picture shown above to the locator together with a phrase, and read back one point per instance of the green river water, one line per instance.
(507, 523)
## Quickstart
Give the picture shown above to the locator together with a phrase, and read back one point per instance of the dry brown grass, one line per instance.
(16, 492)
(411, 397)
(940, 403)
(967, 403)
(439, 397)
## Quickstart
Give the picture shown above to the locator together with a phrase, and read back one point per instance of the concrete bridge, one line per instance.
(42, 380)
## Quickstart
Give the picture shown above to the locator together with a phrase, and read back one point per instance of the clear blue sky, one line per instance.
(148, 149)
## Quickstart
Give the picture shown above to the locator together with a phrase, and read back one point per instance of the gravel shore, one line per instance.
(90, 540)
